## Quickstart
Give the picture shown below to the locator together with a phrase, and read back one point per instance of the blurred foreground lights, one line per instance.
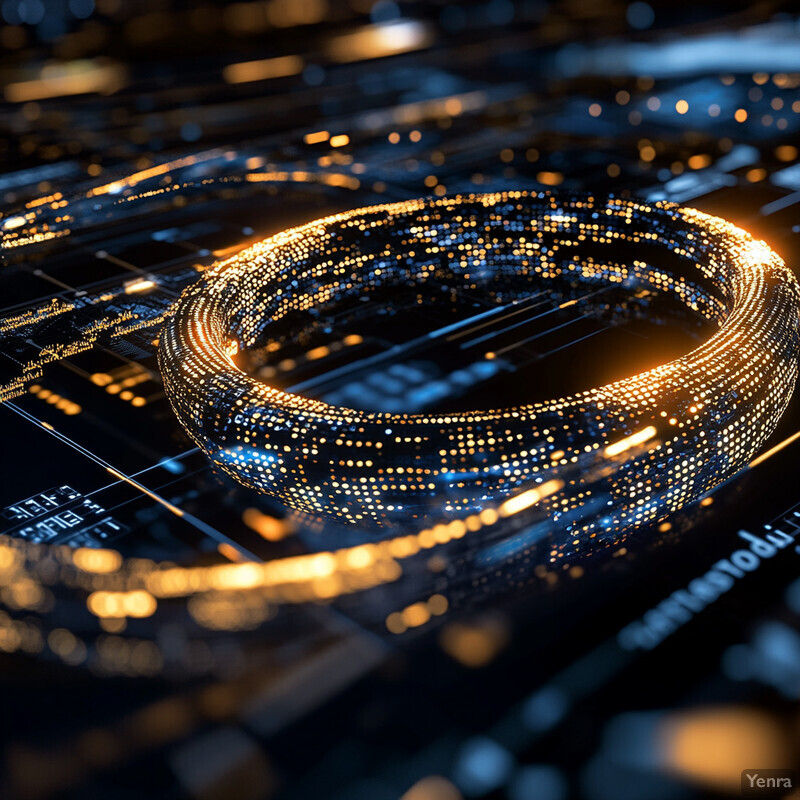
(269, 528)
(433, 787)
(772, 657)
(99, 561)
(711, 746)
(136, 603)
(545, 708)
(539, 782)
(475, 644)
(70, 78)
(640, 15)
(380, 41)
(699, 161)
(417, 614)
(482, 765)
(661, 753)
(263, 69)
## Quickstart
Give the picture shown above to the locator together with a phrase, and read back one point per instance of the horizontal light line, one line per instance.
(640, 437)
(771, 452)
(263, 69)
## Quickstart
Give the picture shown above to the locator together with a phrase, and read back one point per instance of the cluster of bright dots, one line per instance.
(690, 424)
(119, 309)
(37, 578)
(603, 461)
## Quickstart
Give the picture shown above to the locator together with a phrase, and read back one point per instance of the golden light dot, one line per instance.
(699, 161)
(647, 153)
(756, 174)
(786, 152)
(550, 178)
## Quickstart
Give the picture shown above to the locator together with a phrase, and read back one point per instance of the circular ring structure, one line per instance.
(631, 451)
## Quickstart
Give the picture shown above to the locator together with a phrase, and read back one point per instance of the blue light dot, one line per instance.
(81, 8)
(640, 16)
(313, 74)
(191, 132)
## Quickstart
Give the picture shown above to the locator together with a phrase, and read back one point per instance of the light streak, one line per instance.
(771, 452)
(640, 437)
(263, 69)
(143, 285)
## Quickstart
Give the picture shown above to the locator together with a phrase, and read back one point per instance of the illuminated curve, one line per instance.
(685, 426)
